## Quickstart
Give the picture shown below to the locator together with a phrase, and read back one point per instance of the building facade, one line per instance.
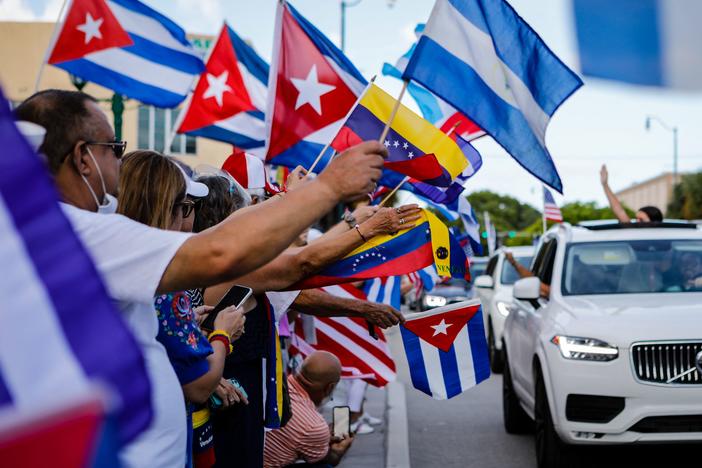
(24, 48)
(657, 191)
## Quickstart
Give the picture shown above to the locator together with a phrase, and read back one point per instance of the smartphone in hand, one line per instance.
(236, 296)
(341, 421)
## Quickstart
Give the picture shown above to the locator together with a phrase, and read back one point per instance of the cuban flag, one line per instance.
(645, 42)
(446, 349)
(434, 109)
(129, 48)
(230, 97)
(56, 311)
(312, 86)
(516, 83)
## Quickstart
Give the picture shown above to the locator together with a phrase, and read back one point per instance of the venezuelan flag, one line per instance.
(275, 377)
(416, 147)
(429, 241)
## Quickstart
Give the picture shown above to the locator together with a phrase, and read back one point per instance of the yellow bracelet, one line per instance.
(223, 334)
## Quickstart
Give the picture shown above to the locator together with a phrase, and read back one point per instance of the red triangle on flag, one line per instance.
(89, 26)
(309, 93)
(424, 167)
(220, 92)
(441, 327)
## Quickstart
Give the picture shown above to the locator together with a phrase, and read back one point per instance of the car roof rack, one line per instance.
(607, 225)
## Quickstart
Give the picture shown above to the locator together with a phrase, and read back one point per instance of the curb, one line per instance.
(397, 455)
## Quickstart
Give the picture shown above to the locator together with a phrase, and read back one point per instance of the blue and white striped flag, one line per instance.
(516, 83)
(446, 349)
(159, 68)
(59, 331)
(384, 291)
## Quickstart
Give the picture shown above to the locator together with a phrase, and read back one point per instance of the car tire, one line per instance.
(514, 417)
(551, 452)
(497, 362)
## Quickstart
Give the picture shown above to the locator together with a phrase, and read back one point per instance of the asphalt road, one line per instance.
(467, 431)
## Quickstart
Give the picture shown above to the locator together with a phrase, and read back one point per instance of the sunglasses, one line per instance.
(118, 147)
(187, 206)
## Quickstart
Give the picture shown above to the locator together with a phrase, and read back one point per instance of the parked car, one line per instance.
(604, 344)
(494, 288)
(445, 292)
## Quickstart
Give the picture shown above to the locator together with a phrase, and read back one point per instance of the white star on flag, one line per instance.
(387, 144)
(310, 90)
(217, 87)
(405, 145)
(396, 144)
(440, 329)
(91, 28)
(410, 155)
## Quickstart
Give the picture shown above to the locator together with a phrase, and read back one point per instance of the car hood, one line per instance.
(626, 318)
(448, 291)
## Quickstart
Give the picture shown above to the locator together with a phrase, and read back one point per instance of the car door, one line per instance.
(520, 353)
(487, 294)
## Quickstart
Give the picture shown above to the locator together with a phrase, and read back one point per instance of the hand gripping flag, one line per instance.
(40, 300)
(433, 108)
(428, 242)
(516, 83)
(129, 48)
(312, 86)
(361, 356)
(446, 349)
(416, 148)
(229, 100)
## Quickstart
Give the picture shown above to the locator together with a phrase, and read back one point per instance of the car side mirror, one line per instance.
(484, 281)
(527, 289)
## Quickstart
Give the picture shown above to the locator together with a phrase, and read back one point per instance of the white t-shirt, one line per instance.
(132, 258)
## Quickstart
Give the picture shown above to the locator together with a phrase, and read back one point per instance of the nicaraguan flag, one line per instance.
(515, 82)
(446, 349)
(645, 42)
(127, 47)
(56, 313)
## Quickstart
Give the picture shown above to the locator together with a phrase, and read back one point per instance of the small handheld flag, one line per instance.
(514, 89)
(446, 349)
(551, 210)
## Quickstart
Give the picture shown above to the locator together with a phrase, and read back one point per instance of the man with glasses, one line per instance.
(138, 262)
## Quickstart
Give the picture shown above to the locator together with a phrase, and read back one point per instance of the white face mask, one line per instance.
(109, 202)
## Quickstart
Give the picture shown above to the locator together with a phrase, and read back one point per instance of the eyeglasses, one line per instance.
(118, 147)
(187, 206)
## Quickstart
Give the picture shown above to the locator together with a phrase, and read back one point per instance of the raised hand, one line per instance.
(354, 173)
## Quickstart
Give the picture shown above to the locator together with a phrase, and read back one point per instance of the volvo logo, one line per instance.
(698, 362)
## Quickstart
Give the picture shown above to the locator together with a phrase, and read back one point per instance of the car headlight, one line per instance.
(503, 308)
(585, 349)
(434, 301)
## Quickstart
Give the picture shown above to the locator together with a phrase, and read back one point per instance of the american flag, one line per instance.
(361, 356)
(551, 210)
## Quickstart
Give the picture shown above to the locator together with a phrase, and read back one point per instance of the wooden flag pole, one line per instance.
(394, 112)
(397, 187)
(54, 37)
(319, 157)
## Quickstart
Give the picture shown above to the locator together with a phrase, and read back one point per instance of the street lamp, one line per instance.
(674, 130)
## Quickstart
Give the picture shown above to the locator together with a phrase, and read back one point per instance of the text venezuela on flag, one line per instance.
(416, 148)
(409, 250)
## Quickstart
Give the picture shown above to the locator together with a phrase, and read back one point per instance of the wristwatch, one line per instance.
(349, 219)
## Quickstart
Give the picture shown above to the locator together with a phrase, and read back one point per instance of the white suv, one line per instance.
(614, 354)
(494, 287)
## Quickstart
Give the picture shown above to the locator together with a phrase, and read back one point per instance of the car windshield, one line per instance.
(640, 266)
(509, 275)
(477, 269)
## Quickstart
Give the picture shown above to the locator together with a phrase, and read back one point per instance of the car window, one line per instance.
(543, 267)
(509, 275)
(491, 266)
(477, 269)
(540, 256)
(636, 266)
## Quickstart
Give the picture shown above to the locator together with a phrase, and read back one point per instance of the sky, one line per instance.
(603, 122)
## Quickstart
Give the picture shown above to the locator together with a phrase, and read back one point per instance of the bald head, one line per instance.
(319, 374)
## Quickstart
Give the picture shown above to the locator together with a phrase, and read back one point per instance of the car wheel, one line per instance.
(551, 452)
(496, 358)
(516, 421)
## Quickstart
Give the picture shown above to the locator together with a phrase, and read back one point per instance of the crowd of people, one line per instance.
(170, 241)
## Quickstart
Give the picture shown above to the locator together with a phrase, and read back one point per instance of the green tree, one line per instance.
(687, 198)
(506, 213)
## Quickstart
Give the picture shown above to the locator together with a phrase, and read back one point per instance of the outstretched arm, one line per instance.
(321, 304)
(250, 238)
(614, 202)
